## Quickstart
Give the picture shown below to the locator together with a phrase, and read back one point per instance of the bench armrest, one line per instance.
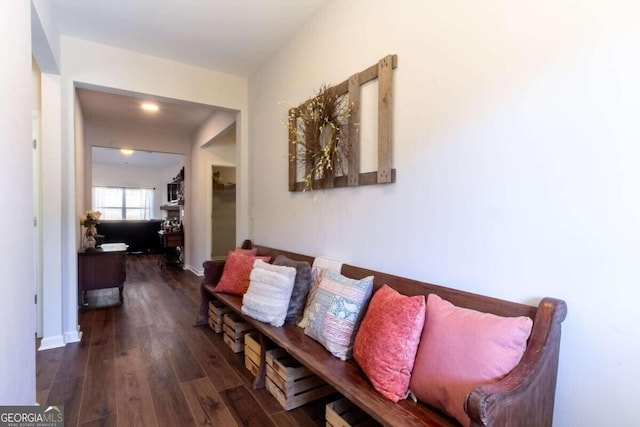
(525, 396)
(212, 274)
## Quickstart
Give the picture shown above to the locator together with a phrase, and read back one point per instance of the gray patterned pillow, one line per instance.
(335, 312)
(300, 287)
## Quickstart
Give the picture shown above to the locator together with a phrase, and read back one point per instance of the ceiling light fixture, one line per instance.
(148, 106)
(126, 151)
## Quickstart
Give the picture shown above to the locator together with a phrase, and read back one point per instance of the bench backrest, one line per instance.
(414, 287)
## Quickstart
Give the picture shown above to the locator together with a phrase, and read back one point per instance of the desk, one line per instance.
(101, 268)
(173, 243)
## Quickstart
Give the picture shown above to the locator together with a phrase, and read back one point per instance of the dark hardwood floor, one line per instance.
(143, 364)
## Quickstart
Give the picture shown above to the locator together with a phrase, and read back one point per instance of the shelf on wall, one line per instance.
(170, 207)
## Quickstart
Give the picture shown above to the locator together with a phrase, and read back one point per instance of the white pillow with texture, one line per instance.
(270, 287)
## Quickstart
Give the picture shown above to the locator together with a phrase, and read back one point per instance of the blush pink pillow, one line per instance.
(462, 348)
(386, 344)
(236, 272)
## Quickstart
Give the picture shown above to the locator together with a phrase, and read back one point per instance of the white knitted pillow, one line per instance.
(270, 287)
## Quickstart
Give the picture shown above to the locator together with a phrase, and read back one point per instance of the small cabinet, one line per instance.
(172, 239)
(101, 268)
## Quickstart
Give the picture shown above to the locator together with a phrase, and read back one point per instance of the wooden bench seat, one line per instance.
(346, 377)
(525, 397)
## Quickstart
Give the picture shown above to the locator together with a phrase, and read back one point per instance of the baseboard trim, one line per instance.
(73, 336)
(194, 270)
(52, 342)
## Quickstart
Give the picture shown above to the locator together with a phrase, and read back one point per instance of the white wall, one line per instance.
(51, 218)
(17, 309)
(515, 140)
(213, 144)
(164, 141)
(73, 175)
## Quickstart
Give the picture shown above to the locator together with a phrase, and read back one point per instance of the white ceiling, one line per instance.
(124, 110)
(109, 108)
(233, 36)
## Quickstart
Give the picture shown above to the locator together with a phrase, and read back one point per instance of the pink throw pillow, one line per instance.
(236, 272)
(386, 344)
(461, 349)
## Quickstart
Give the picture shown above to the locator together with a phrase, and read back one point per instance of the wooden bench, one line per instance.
(525, 397)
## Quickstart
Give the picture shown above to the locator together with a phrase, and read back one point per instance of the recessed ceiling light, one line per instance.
(126, 151)
(148, 106)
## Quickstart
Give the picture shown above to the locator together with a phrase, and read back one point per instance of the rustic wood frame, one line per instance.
(351, 87)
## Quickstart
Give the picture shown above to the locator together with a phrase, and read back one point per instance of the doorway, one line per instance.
(223, 211)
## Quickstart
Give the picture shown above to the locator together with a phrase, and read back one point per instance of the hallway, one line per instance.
(144, 364)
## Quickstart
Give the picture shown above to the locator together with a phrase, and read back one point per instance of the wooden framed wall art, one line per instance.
(324, 139)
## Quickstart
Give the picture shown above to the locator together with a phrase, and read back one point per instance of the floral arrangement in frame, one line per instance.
(324, 137)
(89, 221)
(319, 130)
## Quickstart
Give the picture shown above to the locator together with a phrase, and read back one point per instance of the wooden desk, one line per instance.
(172, 239)
(101, 268)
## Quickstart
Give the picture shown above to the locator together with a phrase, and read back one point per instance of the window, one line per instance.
(123, 203)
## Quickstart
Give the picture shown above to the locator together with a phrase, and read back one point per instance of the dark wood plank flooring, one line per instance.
(144, 364)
